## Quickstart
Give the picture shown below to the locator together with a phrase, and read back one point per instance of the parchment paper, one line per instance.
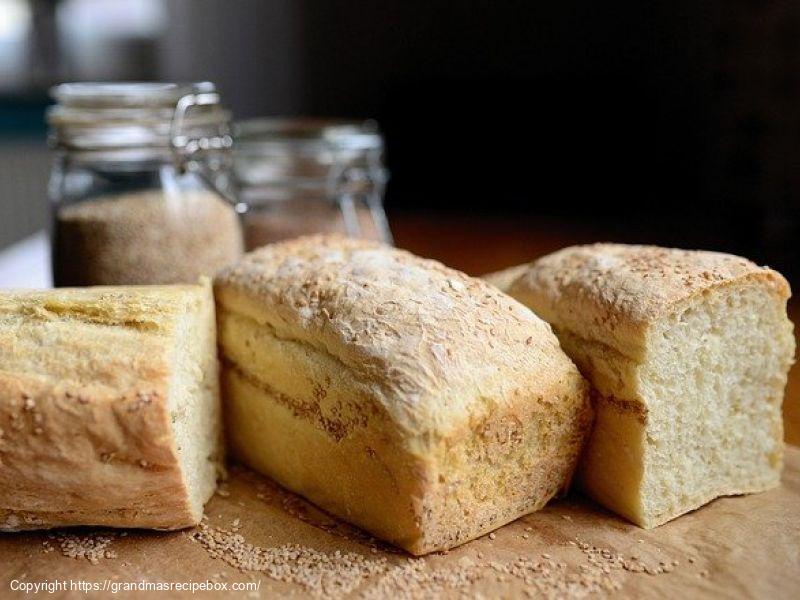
(741, 547)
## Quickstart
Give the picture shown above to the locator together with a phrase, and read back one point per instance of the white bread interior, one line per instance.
(109, 407)
(402, 396)
(688, 354)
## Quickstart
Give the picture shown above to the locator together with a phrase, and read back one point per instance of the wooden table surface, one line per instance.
(478, 245)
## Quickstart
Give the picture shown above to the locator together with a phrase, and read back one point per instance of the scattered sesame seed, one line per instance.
(92, 547)
(371, 573)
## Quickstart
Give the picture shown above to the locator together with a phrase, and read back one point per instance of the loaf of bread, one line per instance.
(109, 407)
(688, 353)
(503, 279)
(416, 402)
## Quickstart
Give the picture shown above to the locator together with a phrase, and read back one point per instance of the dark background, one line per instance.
(664, 122)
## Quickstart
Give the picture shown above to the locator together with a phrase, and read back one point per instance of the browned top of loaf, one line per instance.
(146, 308)
(619, 288)
(433, 343)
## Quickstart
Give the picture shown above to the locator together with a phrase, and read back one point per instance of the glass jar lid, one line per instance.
(108, 116)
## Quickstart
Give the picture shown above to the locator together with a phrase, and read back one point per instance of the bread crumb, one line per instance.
(492, 536)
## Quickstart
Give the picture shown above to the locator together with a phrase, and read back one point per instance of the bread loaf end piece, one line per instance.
(688, 354)
(109, 407)
(407, 398)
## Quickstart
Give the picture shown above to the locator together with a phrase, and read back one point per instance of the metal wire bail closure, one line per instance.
(345, 182)
(205, 155)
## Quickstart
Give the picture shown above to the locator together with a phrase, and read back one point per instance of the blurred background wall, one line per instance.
(667, 122)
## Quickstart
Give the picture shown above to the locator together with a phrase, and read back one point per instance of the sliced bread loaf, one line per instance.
(688, 353)
(109, 407)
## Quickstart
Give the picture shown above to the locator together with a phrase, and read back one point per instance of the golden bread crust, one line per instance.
(427, 336)
(408, 398)
(612, 292)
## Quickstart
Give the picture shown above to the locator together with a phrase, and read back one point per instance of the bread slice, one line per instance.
(688, 352)
(109, 407)
(405, 397)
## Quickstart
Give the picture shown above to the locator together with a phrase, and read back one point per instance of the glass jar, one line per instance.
(303, 176)
(139, 186)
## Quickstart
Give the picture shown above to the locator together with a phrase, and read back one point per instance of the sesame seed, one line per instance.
(93, 547)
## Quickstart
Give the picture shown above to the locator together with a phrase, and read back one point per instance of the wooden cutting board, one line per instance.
(742, 547)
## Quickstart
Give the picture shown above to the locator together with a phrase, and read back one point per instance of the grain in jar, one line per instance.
(145, 237)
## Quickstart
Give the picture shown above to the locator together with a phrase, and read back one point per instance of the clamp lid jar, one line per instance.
(303, 176)
(140, 183)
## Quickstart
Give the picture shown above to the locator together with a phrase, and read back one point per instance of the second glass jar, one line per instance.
(303, 176)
